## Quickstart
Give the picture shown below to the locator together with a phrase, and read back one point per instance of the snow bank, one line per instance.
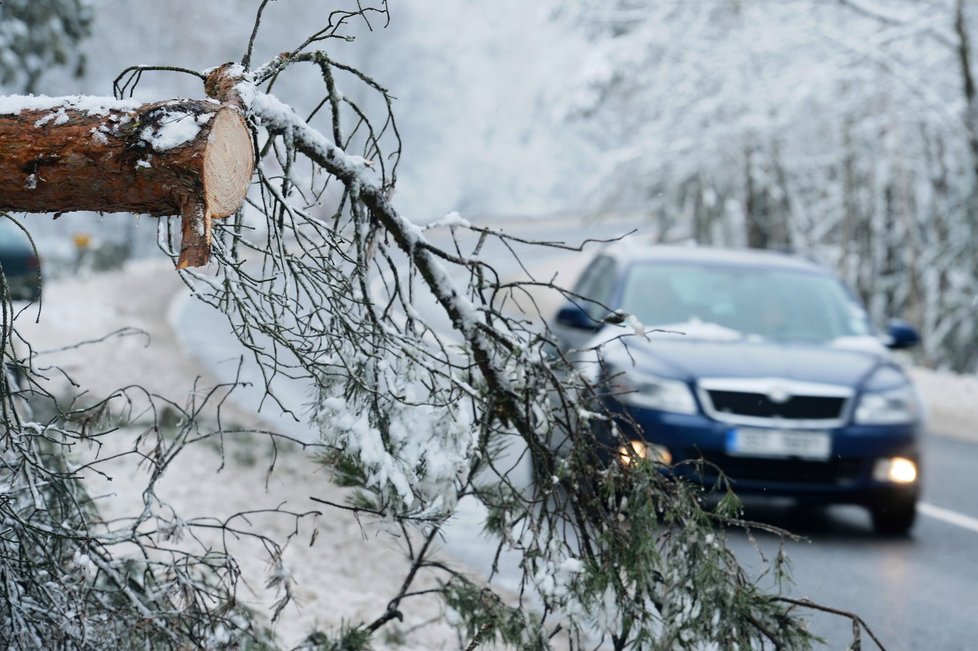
(951, 400)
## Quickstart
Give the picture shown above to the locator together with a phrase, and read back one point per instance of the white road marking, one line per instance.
(950, 517)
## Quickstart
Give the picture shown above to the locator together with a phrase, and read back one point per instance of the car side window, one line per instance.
(597, 284)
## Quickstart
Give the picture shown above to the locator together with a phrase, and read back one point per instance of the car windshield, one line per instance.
(778, 304)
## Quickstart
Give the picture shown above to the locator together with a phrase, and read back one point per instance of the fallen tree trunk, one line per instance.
(192, 158)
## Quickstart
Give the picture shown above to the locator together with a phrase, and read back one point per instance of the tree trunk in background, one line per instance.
(967, 83)
(756, 236)
(183, 157)
(848, 262)
(766, 216)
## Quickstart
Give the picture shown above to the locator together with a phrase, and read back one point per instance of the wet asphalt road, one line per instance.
(917, 592)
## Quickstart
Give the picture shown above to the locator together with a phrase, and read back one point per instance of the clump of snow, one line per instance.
(555, 577)
(360, 161)
(59, 117)
(31, 183)
(174, 129)
(571, 566)
(637, 326)
(15, 104)
(84, 565)
(98, 134)
(275, 114)
(451, 220)
(696, 329)
(424, 447)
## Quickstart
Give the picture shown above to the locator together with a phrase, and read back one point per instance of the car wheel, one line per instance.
(894, 517)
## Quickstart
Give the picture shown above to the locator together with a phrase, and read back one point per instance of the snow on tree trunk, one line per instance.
(192, 158)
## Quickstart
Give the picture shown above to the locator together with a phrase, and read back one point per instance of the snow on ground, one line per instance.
(351, 571)
(951, 400)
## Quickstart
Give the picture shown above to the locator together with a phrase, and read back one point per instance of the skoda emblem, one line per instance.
(779, 395)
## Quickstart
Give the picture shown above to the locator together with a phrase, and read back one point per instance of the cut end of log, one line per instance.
(228, 166)
(228, 163)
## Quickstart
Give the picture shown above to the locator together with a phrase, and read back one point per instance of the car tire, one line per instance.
(894, 517)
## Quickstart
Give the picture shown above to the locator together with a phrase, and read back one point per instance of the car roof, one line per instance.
(638, 253)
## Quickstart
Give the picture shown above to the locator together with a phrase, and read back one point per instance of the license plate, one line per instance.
(779, 443)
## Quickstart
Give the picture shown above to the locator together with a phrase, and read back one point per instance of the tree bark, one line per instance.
(192, 158)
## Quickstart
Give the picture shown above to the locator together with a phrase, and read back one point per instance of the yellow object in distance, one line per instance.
(81, 240)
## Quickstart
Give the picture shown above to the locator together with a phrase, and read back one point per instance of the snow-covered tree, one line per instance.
(36, 35)
(324, 280)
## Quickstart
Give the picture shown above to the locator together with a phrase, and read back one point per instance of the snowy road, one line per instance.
(915, 593)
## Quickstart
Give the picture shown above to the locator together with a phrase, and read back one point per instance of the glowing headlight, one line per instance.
(891, 407)
(897, 470)
(652, 392)
(636, 450)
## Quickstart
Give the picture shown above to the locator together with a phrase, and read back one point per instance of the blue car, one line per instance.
(763, 365)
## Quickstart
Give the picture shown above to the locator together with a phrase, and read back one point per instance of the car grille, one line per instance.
(789, 471)
(757, 405)
(765, 402)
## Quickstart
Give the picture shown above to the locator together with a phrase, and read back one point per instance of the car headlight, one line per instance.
(652, 392)
(890, 407)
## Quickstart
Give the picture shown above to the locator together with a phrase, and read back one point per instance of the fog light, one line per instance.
(897, 470)
(635, 450)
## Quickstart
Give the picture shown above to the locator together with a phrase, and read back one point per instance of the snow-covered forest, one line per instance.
(844, 130)
(847, 131)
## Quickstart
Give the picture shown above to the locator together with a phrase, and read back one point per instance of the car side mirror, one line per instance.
(574, 316)
(901, 335)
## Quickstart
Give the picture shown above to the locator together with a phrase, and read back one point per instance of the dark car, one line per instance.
(19, 262)
(764, 365)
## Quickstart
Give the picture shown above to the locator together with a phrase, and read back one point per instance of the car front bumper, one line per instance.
(698, 446)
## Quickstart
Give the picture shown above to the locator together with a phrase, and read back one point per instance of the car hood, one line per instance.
(839, 364)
